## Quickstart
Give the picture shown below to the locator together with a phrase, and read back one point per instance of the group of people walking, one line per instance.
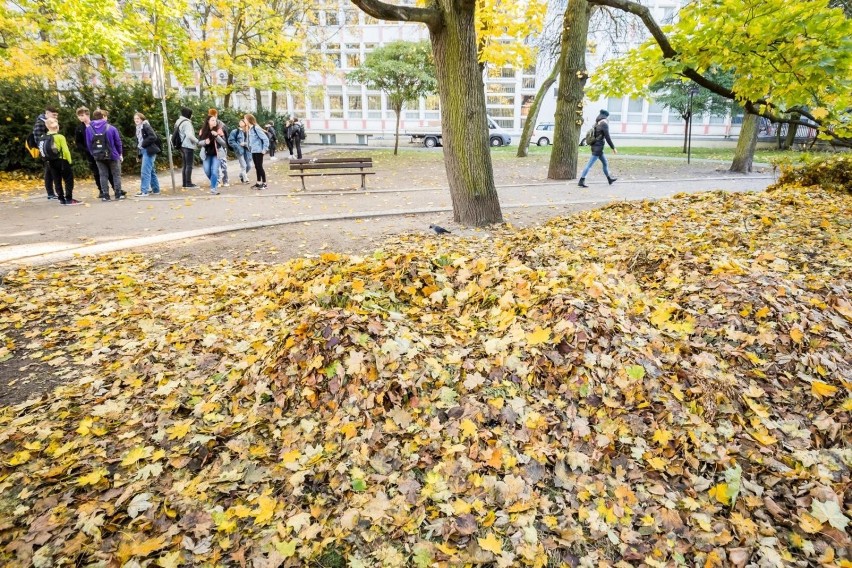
(101, 144)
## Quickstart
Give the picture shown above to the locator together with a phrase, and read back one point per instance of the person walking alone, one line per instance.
(287, 137)
(188, 144)
(601, 135)
(149, 147)
(104, 144)
(238, 141)
(296, 133)
(258, 143)
(211, 142)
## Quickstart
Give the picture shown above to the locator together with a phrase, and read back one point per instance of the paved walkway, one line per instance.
(37, 231)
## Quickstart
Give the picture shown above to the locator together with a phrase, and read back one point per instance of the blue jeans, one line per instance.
(211, 170)
(245, 164)
(592, 161)
(150, 182)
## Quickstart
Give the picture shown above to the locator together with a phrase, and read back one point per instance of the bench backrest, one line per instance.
(330, 163)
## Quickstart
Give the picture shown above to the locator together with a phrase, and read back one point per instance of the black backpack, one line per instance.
(100, 145)
(47, 148)
(302, 134)
(31, 144)
(177, 139)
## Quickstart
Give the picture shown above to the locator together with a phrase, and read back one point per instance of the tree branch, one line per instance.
(384, 11)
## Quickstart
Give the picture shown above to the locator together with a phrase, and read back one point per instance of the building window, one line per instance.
(507, 73)
(298, 104)
(355, 106)
(613, 105)
(655, 112)
(526, 104)
(332, 18)
(500, 100)
(136, 64)
(368, 47)
(317, 103)
(530, 70)
(497, 88)
(501, 112)
(505, 123)
(335, 102)
(634, 110)
(328, 139)
(528, 83)
(374, 106)
(363, 139)
(353, 60)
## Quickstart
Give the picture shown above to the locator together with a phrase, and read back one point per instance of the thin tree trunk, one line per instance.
(532, 116)
(273, 102)
(465, 128)
(398, 111)
(258, 100)
(744, 155)
(569, 98)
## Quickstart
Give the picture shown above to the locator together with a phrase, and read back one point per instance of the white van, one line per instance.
(431, 136)
(543, 134)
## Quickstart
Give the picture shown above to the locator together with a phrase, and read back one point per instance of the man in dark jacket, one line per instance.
(294, 134)
(80, 141)
(601, 134)
(39, 130)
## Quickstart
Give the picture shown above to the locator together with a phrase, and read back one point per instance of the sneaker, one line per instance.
(214, 192)
(62, 202)
(291, 157)
(191, 186)
(155, 192)
(122, 195)
(257, 185)
(141, 194)
(263, 186)
(49, 197)
(225, 185)
(105, 198)
(72, 202)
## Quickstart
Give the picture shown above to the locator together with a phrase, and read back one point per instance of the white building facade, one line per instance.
(336, 111)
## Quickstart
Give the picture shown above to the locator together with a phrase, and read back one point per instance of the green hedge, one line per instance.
(22, 103)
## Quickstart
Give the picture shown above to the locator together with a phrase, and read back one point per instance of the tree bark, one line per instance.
(532, 117)
(744, 154)
(273, 102)
(258, 100)
(398, 111)
(569, 97)
(791, 133)
(464, 124)
(462, 93)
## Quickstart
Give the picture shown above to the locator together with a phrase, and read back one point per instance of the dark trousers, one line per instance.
(107, 167)
(48, 180)
(289, 145)
(60, 170)
(188, 156)
(93, 167)
(297, 142)
(272, 148)
(258, 167)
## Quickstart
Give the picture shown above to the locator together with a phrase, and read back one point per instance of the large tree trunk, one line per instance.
(258, 100)
(744, 155)
(465, 127)
(569, 97)
(532, 117)
(273, 102)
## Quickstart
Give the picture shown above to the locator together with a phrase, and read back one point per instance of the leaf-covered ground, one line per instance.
(658, 383)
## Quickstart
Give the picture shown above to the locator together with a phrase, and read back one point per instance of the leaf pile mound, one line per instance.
(834, 172)
(656, 383)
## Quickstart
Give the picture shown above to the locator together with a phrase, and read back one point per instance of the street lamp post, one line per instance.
(693, 90)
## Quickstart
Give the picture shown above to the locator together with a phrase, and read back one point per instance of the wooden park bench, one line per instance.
(318, 166)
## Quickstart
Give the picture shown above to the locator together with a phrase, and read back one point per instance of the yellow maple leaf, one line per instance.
(797, 335)
(720, 493)
(538, 336)
(141, 549)
(657, 463)
(349, 430)
(136, 454)
(357, 286)
(809, 523)
(822, 390)
(468, 429)
(662, 437)
(491, 543)
(93, 478)
(179, 430)
(265, 509)
(763, 437)
(20, 458)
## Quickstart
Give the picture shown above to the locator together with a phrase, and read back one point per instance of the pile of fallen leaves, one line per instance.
(658, 383)
(833, 172)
